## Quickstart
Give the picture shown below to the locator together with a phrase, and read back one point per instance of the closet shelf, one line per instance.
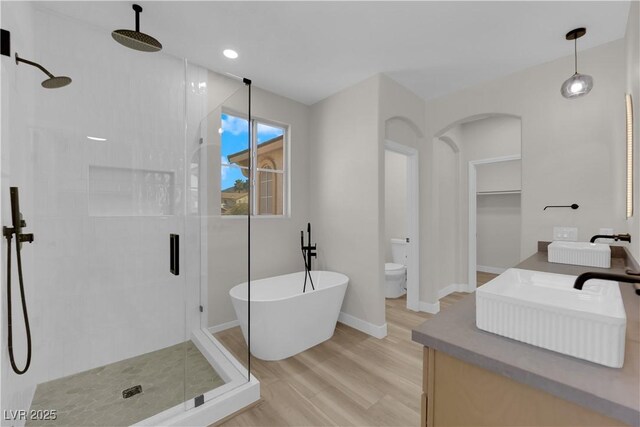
(486, 193)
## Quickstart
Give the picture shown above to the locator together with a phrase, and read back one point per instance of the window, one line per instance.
(265, 153)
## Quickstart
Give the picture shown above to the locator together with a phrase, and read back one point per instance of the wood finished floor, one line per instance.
(350, 380)
(482, 278)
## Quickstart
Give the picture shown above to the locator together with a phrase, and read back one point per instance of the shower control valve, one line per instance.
(8, 232)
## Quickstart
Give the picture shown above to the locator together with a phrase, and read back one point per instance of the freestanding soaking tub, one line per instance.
(285, 321)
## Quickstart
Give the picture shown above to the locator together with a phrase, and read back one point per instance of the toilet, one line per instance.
(395, 272)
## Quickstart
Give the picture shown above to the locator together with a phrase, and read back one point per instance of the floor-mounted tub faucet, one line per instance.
(308, 252)
(622, 237)
(309, 249)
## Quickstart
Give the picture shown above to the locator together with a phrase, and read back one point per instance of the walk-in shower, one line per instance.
(120, 315)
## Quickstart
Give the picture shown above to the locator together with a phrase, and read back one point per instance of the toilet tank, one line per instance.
(399, 251)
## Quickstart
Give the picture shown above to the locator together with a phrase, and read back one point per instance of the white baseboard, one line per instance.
(454, 287)
(434, 308)
(223, 326)
(363, 326)
(428, 307)
(488, 269)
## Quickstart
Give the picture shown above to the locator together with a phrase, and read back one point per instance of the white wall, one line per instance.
(448, 223)
(395, 198)
(498, 224)
(500, 176)
(347, 151)
(17, 96)
(490, 137)
(568, 149)
(446, 208)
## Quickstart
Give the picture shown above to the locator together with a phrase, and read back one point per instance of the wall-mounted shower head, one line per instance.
(134, 39)
(53, 82)
(56, 82)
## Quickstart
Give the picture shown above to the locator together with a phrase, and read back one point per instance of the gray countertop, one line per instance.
(609, 391)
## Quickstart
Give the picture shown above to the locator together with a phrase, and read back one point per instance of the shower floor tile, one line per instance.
(94, 397)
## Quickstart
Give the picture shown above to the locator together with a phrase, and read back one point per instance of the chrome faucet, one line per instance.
(623, 237)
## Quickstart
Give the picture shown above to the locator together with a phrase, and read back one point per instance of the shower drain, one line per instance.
(131, 391)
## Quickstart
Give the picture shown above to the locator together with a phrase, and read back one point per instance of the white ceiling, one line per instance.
(310, 50)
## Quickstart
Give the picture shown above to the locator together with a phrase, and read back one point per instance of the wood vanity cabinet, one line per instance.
(456, 393)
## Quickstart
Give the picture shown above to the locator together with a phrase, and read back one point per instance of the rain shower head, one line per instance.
(53, 82)
(134, 39)
(56, 82)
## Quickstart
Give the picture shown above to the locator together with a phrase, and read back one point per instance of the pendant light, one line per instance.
(578, 84)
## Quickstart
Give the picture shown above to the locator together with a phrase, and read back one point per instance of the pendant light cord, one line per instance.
(575, 54)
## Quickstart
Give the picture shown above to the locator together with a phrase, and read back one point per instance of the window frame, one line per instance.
(254, 165)
(269, 199)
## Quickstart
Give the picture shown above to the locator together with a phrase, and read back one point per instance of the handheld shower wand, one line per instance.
(8, 233)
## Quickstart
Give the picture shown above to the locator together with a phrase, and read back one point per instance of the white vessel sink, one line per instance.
(580, 253)
(543, 309)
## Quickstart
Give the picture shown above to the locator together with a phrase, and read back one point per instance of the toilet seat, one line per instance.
(392, 266)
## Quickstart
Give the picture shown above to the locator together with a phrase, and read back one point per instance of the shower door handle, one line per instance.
(174, 254)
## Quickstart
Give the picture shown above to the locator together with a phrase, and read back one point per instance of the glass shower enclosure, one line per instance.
(115, 174)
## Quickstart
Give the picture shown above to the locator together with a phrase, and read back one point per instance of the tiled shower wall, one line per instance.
(104, 288)
(97, 276)
(16, 390)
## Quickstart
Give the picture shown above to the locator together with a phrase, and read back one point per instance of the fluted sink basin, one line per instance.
(580, 253)
(543, 309)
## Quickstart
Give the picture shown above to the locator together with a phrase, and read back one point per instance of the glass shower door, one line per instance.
(217, 247)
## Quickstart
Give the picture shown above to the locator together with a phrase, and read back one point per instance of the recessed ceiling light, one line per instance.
(230, 53)
(95, 138)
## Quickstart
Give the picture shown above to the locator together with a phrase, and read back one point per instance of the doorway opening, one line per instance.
(469, 228)
(494, 216)
(401, 237)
